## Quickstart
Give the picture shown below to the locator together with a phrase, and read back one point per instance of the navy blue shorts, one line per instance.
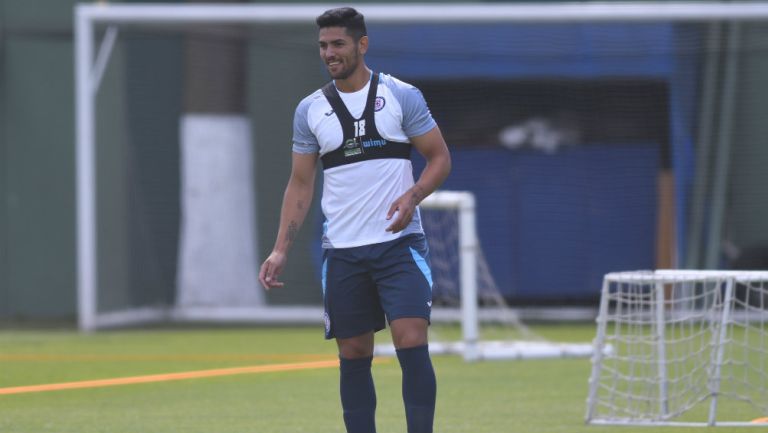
(364, 285)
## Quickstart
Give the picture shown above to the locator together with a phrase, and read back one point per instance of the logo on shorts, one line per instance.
(379, 103)
(327, 321)
(429, 304)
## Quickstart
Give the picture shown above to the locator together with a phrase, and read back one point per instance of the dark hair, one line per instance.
(349, 18)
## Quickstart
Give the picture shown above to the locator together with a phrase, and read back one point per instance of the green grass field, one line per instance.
(488, 397)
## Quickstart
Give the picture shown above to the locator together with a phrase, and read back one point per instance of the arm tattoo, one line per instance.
(293, 228)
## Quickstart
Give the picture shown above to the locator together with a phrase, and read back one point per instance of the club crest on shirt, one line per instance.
(379, 103)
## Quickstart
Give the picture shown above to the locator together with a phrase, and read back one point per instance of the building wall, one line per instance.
(37, 264)
(4, 303)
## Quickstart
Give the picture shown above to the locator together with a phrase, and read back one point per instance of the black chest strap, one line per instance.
(361, 140)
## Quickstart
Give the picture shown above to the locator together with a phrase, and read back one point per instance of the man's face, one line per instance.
(340, 52)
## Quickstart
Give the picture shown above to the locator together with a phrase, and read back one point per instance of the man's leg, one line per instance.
(358, 395)
(419, 384)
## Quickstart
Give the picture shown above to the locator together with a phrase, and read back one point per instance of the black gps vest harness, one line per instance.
(361, 141)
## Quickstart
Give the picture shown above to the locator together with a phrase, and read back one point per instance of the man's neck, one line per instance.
(354, 82)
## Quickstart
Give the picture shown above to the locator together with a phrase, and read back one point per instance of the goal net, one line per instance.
(681, 348)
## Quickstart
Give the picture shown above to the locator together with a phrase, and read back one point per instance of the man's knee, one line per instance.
(409, 332)
(360, 346)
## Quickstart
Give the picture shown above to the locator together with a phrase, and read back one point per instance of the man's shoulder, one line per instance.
(310, 99)
(312, 102)
(405, 93)
(416, 118)
(394, 83)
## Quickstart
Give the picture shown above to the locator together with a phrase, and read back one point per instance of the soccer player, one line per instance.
(362, 126)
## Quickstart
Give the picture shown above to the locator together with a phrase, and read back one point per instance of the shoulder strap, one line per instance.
(332, 95)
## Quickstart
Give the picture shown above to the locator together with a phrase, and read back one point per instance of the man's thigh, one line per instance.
(351, 301)
(404, 279)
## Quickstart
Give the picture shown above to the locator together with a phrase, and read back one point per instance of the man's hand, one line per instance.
(404, 207)
(271, 269)
(432, 146)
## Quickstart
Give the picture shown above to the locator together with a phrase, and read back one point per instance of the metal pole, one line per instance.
(661, 351)
(704, 148)
(468, 247)
(723, 158)
(715, 380)
(85, 173)
(426, 13)
(102, 58)
(597, 354)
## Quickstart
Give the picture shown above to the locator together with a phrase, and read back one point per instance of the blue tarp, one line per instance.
(521, 51)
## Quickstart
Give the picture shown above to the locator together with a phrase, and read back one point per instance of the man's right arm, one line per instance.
(296, 201)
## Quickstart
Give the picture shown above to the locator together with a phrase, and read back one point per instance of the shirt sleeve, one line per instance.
(304, 141)
(417, 120)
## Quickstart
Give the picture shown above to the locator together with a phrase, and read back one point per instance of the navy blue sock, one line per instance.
(419, 388)
(358, 395)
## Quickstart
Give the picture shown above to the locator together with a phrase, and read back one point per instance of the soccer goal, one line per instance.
(183, 112)
(680, 347)
(464, 292)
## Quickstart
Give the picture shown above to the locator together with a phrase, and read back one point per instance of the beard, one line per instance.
(346, 72)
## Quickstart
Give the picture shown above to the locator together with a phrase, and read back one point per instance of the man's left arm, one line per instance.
(432, 146)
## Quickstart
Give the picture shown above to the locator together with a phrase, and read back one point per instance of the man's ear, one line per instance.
(362, 45)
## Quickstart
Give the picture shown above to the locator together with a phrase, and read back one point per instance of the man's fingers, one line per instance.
(392, 210)
(395, 224)
(273, 275)
(263, 275)
(268, 276)
(400, 223)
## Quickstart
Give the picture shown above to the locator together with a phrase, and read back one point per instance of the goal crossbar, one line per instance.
(425, 13)
(673, 275)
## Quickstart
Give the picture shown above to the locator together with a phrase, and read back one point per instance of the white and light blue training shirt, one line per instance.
(357, 195)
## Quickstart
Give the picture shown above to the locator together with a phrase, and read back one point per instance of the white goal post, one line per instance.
(464, 203)
(681, 347)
